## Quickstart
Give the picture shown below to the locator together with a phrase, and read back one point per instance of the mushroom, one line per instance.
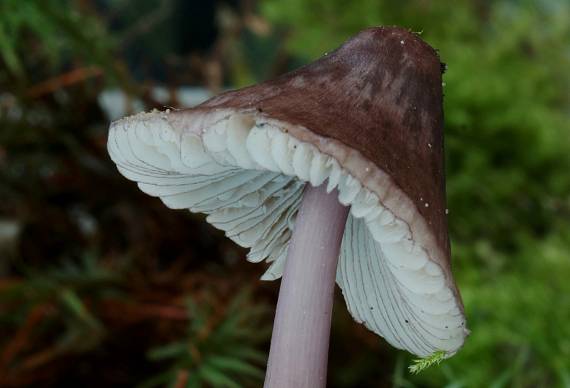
(341, 159)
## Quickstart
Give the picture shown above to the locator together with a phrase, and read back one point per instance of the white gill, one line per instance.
(248, 177)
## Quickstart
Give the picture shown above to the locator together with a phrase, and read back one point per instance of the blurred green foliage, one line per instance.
(507, 108)
(56, 27)
(96, 287)
(220, 348)
(104, 286)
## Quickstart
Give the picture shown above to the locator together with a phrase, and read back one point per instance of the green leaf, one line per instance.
(235, 365)
(172, 350)
(8, 53)
(76, 306)
(249, 354)
(216, 377)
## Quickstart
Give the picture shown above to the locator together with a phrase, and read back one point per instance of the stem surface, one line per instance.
(300, 342)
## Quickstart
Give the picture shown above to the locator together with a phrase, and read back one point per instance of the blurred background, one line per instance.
(101, 285)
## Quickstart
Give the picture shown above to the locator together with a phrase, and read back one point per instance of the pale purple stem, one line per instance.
(300, 341)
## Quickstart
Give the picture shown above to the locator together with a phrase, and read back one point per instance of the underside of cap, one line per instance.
(247, 172)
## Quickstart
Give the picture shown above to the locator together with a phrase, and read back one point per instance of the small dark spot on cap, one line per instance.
(407, 321)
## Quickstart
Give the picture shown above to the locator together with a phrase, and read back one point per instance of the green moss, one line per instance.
(421, 364)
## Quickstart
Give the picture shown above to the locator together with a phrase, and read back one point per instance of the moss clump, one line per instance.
(422, 364)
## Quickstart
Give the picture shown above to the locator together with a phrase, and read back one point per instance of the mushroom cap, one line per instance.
(367, 119)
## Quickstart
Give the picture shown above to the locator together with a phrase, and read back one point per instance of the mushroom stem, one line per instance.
(300, 341)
